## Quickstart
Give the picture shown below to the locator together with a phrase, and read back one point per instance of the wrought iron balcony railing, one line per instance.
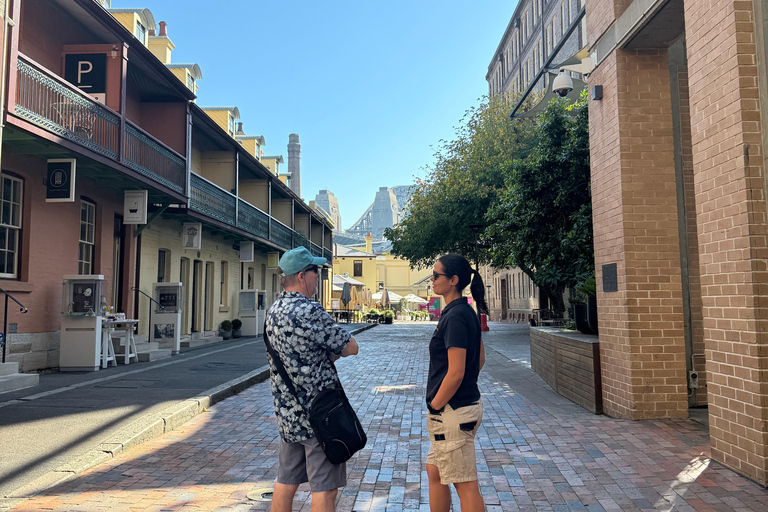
(300, 240)
(280, 234)
(47, 100)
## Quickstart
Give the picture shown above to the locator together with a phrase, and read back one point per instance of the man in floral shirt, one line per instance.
(307, 341)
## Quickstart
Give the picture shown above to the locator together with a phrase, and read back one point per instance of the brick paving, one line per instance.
(532, 457)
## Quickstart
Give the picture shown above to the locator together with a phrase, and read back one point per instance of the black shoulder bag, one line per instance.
(332, 417)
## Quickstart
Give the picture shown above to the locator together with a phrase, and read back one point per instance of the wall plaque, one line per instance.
(610, 278)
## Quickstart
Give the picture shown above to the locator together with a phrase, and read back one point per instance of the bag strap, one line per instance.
(279, 365)
(284, 373)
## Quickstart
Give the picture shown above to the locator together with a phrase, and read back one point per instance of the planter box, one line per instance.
(570, 363)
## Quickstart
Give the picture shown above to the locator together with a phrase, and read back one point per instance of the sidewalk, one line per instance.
(72, 421)
(536, 450)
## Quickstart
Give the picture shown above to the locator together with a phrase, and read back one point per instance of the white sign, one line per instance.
(135, 207)
(246, 252)
(192, 235)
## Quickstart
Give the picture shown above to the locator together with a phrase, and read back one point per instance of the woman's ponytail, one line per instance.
(477, 288)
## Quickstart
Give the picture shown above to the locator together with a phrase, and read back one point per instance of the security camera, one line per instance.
(562, 84)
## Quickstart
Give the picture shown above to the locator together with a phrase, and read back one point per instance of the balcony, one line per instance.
(48, 101)
(216, 203)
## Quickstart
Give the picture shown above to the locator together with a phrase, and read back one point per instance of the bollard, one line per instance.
(484, 323)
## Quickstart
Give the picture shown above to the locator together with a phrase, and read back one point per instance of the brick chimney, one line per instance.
(160, 45)
(369, 243)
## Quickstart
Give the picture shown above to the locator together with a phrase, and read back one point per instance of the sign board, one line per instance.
(168, 300)
(335, 304)
(247, 301)
(272, 259)
(246, 252)
(60, 181)
(88, 72)
(135, 207)
(192, 235)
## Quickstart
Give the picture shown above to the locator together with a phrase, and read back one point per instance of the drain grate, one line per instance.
(406, 389)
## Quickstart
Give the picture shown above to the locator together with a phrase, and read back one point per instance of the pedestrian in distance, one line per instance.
(456, 355)
(307, 341)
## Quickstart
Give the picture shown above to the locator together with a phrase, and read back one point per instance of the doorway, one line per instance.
(208, 297)
(118, 264)
(504, 298)
(197, 280)
(184, 280)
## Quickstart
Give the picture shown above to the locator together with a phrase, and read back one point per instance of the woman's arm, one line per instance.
(456, 361)
(482, 354)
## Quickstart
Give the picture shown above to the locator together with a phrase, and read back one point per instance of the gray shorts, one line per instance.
(305, 462)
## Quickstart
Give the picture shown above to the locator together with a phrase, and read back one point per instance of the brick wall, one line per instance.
(730, 201)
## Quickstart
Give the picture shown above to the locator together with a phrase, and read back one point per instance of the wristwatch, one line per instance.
(433, 410)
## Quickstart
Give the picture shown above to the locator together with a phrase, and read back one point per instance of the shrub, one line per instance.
(226, 325)
(236, 324)
(389, 314)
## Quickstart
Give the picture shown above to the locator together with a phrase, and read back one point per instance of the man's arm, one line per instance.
(482, 354)
(351, 349)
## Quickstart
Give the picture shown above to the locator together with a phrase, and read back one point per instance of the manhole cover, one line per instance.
(406, 389)
(264, 494)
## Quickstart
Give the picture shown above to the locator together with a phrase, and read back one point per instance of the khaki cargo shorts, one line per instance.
(453, 442)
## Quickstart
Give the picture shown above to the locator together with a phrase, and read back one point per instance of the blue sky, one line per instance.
(370, 87)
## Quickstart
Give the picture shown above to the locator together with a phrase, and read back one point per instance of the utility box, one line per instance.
(251, 311)
(166, 318)
(81, 341)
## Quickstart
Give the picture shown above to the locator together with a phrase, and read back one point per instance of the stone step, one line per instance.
(18, 381)
(199, 342)
(146, 346)
(8, 369)
(139, 338)
(154, 355)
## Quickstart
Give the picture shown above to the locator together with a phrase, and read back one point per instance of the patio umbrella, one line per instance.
(385, 298)
(346, 295)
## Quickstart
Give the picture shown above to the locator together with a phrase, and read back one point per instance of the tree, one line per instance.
(463, 183)
(542, 221)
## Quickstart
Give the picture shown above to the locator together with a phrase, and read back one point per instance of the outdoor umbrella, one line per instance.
(346, 295)
(385, 298)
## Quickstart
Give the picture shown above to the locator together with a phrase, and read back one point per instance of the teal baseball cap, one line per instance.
(296, 260)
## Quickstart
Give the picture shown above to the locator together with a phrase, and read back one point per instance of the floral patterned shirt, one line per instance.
(305, 337)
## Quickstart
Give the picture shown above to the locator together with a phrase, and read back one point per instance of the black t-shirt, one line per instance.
(458, 327)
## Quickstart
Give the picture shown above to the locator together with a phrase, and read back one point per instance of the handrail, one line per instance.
(154, 139)
(149, 320)
(5, 317)
(53, 76)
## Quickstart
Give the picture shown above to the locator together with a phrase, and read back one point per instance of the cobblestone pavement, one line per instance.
(555, 457)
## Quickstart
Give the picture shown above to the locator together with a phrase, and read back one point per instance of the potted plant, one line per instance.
(389, 316)
(237, 324)
(226, 329)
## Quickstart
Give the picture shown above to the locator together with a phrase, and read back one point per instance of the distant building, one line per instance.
(328, 202)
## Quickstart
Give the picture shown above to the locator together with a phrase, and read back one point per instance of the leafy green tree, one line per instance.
(542, 221)
(463, 183)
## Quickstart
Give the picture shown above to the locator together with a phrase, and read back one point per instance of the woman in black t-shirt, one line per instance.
(456, 354)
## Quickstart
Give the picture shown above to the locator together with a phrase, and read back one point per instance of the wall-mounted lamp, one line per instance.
(597, 92)
(113, 52)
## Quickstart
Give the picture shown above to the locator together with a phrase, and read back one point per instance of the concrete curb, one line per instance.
(142, 430)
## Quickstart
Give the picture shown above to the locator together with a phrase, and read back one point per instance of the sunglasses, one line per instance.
(313, 268)
(436, 275)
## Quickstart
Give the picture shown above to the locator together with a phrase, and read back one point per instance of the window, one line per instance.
(190, 82)
(358, 268)
(163, 266)
(87, 237)
(549, 40)
(141, 33)
(10, 225)
(231, 124)
(562, 18)
(223, 289)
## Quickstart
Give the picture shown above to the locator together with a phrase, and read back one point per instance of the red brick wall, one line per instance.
(731, 211)
(50, 240)
(43, 33)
